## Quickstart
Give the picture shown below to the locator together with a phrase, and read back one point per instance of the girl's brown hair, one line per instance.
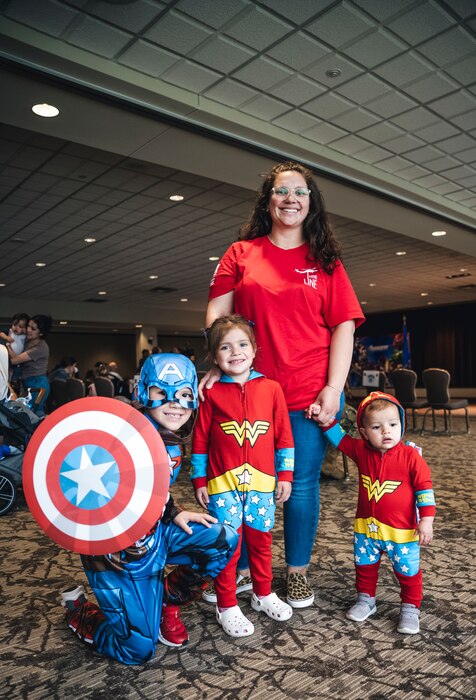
(221, 326)
(317, 230)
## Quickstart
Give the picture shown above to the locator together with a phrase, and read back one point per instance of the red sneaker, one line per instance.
(84, 621)
(172, 630)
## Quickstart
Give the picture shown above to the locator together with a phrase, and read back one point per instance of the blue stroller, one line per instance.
(17, 424)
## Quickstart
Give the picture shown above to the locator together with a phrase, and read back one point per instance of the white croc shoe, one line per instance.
(234, 623)
(274, 607)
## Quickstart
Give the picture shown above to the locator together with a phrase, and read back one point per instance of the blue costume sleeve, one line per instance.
(199, 466)
(284, 459)
(425, 498)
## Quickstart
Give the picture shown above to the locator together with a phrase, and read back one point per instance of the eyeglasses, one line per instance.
(298, 192)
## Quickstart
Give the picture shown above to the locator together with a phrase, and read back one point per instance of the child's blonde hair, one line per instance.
(221, 326)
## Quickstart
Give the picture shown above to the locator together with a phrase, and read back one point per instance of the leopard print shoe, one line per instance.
(300, 594)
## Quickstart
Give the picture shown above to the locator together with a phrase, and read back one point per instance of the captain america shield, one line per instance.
(96, 475)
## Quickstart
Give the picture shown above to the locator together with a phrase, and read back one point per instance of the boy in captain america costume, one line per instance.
(136, 608)
(396, 505)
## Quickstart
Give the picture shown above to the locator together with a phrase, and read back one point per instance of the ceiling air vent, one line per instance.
(95, 301)
(163, 290)
(457, 275)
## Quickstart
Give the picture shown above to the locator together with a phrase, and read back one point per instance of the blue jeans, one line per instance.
(301, 511)
(41, 382)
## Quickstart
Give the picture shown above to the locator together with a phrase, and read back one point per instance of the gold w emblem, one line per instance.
(376, 489)
(245, 431)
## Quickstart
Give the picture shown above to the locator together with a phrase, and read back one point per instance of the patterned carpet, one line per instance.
(317, 654)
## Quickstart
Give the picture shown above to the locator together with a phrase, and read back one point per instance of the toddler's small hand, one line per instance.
(313, 411)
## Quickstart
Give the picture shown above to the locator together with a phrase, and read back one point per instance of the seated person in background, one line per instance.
(145, 355)
(65, 370)
(121, 386)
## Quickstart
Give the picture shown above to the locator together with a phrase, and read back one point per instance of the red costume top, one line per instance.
(294, 304)
(243, 424)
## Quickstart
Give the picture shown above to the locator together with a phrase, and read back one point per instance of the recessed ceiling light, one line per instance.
(176, 197)
(363, 302)
(184, 299)
(372, 284)
(429, 303)
(333, 72)
(401, 252)
(214, 258)
(463, 269)
(439, 233)
(2, 284)
(45, 110)
(423, 294)
(40, 264)
(90, 240)
(138, 325)
(102, 293)
(153, 277)
(63, 323)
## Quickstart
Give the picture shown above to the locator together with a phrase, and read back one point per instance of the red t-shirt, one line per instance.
(293, 304)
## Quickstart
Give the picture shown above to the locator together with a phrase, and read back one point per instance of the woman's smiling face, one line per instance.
(289, 211)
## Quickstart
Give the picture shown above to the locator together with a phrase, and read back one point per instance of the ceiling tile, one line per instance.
(230, 92)
(463, 70)
(177, 33)
(375, 48)
(222, 54)
(393, 164)
(390, 105)
(403, 144)
(421, 22)
(380, 132)
(404, 69)
(431, 87)
(372, 154)
(323, 133)
(354, 120)
(223, 11)
(148, 58)
(132, 17)
(436, 132)
(340, 25)
(295, 121)
(421, 155)
(262, 73)
(412, 172)
(449, 47)
(190, 76)
(48, 17)
(301, 11)
(456, 144)
(98, 37)
(264, 107)
(298, 50)
(415, 119)
(327, 106)
(465, 8)
(257, 28)
(296, 90)
(454, 104)
(362, 89)
(382, 10)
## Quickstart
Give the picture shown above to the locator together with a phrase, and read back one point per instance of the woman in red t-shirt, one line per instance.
(285, 275)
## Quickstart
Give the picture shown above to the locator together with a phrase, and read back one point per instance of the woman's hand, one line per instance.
(328, 401)
(201, 496)
(212, 376)
(188, 516)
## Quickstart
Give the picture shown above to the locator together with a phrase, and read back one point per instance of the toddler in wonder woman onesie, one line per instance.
(395, 509)
(242, 441)
(136, 608)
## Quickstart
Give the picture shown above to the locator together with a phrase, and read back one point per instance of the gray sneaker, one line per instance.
(362, 609)
(409, 622)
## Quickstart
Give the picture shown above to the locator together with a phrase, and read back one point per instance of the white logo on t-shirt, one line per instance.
(311, 276)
